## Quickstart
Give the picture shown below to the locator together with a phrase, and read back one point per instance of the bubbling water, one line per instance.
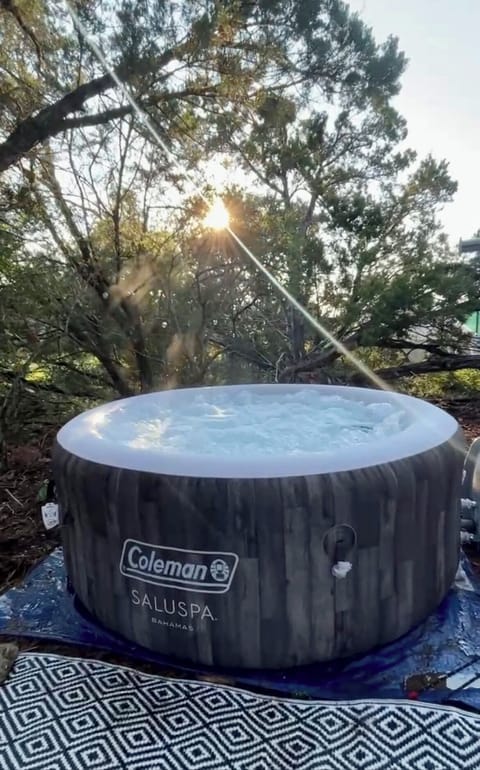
(248, 424)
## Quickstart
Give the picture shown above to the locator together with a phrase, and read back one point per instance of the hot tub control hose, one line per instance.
(339, 543)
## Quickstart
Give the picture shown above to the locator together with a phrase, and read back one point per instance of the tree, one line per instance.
(131, 293)
(217, 50)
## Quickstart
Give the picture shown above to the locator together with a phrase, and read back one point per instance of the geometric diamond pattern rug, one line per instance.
(59, 713)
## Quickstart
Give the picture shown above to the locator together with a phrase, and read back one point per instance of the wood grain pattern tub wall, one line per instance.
(230, 564)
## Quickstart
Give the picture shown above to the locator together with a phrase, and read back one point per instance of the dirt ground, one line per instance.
(23, 538)
(467, 412)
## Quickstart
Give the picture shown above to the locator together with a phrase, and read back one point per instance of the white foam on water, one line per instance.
(246, 423)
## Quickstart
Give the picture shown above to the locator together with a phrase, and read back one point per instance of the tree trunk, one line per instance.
(5, 410)
(296, 334)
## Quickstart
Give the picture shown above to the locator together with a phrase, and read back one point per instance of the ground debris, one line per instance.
(23, 538)
(466, 411)
(8, 655)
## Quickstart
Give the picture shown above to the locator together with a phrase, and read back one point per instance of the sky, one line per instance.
(440, 97)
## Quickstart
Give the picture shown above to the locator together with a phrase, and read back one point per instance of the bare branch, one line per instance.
(317, 362)
(97, 119)
(50, 120)
(444, 364)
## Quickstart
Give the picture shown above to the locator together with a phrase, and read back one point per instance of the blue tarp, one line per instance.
(438, 661)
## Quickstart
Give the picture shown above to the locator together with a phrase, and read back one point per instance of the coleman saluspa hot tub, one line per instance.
(262, 525)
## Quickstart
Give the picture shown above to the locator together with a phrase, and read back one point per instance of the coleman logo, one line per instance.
(210, 572)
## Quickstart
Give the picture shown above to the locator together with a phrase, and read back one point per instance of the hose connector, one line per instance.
(341, 569)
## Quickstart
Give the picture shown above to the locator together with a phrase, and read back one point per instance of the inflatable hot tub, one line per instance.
(262, 525)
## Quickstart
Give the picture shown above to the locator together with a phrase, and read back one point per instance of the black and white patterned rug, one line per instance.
(59, 713)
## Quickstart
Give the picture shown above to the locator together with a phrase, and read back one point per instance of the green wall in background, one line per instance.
(473, 322)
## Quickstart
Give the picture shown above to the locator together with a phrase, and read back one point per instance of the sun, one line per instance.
(217, 217)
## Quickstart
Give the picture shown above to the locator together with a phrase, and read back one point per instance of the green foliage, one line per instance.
(462, 383)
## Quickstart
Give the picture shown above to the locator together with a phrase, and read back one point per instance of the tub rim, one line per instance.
(428, 427)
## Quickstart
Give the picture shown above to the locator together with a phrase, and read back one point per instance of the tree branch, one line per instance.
(100, 118)
(49, 121)
(444, 364)
(97, 119)
(242, 349)
(316, 362)
(11, 376)
(398, 344)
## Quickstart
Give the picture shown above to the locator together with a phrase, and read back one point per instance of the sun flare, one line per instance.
(217, 217)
